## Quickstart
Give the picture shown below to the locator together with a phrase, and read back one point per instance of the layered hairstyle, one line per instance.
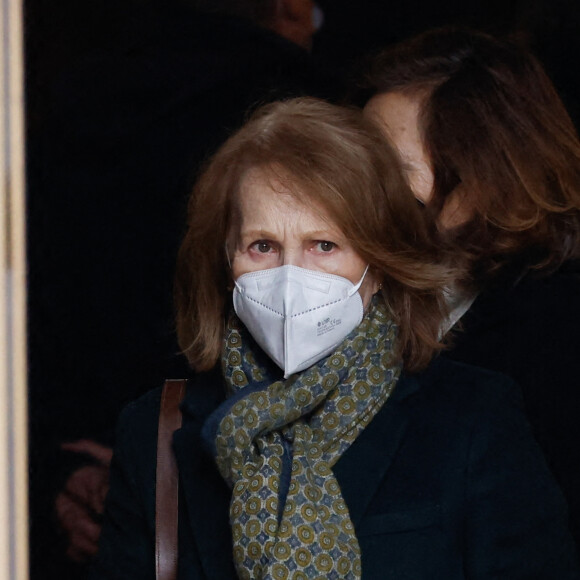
(497, 134)
(332, 158)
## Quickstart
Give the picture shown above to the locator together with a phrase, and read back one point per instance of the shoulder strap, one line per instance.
(166, 490)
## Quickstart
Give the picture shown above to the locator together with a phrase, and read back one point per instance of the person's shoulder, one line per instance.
(554, 292)
(139, 418)
(447, 386)
(565, 281)
(542, 307)
(453, 375)
(203, 392)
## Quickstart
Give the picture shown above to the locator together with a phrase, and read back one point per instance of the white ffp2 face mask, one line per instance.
(297, 316)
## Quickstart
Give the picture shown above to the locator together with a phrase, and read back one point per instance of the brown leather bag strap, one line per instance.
(166, 490)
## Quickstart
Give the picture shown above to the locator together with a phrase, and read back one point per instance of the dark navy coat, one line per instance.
(445, 483)
(528, 329)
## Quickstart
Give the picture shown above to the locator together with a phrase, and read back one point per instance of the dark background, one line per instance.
(60, 34)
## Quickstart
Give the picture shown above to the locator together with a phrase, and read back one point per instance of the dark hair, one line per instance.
(334, 158)
(496, 131)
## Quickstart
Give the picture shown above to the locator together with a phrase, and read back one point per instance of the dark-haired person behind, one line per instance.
(318, 439)
(491, 151)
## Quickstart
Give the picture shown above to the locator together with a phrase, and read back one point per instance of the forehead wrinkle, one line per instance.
(289, 192)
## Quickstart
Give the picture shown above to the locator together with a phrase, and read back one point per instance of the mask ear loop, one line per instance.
(227, 255)
(359, 284)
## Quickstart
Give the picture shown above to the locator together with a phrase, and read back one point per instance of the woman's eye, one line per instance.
(326, 246)
(262, 247)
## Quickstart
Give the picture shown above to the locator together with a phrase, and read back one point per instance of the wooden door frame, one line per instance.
(13, 385)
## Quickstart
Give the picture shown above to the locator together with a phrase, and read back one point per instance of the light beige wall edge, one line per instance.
(13, 389)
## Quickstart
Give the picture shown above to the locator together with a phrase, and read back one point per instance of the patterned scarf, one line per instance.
(276, 443)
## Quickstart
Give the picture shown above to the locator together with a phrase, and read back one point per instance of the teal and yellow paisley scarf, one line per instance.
(276, 442)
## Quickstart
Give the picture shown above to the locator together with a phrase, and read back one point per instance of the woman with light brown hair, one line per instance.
(319, 439)
(490, 150)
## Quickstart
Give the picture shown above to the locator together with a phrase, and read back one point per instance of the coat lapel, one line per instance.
(364, 465)
(204, 492)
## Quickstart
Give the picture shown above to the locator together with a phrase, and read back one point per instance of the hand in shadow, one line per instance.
(79, 507)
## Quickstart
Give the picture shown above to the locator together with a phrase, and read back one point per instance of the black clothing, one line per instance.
(446, 482)
(529, 331)
(109, 175)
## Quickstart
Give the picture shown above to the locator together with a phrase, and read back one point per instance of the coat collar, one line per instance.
(359, 471)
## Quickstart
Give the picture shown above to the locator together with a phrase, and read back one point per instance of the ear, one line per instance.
(293, 20)
(369, 288)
